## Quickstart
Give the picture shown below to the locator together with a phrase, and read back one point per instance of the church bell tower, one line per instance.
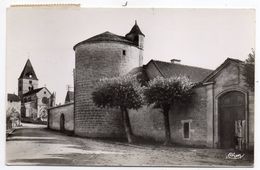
(27, 80)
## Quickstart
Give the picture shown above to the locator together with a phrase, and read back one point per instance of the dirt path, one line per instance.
(39, 146)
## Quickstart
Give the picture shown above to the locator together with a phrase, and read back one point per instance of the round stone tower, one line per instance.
(104, 55)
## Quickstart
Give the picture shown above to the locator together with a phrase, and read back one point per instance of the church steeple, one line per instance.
(28, 71)
(28, 80)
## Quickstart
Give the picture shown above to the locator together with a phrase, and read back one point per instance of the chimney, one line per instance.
(175, 61)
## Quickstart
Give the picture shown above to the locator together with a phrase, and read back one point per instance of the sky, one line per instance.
(198, 37)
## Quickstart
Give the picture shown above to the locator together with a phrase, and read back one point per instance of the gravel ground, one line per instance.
(36, 145)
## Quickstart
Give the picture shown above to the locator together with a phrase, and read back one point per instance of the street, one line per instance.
(36, 145)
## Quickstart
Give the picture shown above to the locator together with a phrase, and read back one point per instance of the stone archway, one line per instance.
(231, 108)
(62, 123)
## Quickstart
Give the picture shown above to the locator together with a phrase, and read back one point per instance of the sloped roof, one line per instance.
(140, 73)
(13, 97)
(106, 36)
(34, 91)
(218, 69)
(135, 30)
(195, 74)
(69, 96)
(27, 71)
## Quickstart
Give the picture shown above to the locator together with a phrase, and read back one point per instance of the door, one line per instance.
(62, 122)
(231, 108)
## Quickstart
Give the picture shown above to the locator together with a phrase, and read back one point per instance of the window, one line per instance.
(186, 130)
(124, 52)
(44, 92)
(30, 81)
(20, 88)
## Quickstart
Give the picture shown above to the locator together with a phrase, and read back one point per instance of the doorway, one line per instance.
(231, 109)
(62, 123)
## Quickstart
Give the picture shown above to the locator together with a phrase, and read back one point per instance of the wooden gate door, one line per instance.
(231, 108)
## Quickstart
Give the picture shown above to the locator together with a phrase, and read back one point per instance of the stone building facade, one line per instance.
(220, 115)
(104, 55)
(34, 100)
(221, 99)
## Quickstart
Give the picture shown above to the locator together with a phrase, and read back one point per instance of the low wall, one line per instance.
(54, 117)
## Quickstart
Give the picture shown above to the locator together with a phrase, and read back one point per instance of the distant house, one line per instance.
(13, 114)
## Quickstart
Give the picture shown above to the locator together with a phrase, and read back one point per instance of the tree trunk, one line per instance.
(167, 127)
(127, 125)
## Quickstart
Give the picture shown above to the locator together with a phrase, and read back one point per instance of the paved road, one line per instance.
(36, 145)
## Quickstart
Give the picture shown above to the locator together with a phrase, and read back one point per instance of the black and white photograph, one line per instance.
(130, 87)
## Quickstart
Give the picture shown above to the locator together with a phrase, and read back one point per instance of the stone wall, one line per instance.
(148, 122)
(194, 113)
(93, 62)
(54, 116)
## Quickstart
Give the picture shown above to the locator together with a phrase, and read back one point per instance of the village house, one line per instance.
(221, 103)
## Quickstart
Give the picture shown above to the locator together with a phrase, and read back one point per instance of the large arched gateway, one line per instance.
(231, 111)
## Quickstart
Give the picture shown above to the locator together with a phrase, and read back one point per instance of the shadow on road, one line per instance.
(44, 147)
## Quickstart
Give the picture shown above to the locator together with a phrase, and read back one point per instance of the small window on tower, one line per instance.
(124, 52)
(30, 81)
(30, 76)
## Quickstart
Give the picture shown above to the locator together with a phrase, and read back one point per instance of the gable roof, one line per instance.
(13, 97)
(218, 69)
(69, 96)
(140, 74)
(166, 69)
(27, 71)
(34, 91)
(106, 36)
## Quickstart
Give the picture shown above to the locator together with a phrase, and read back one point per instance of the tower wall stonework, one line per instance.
(93, 62)
(24, 84)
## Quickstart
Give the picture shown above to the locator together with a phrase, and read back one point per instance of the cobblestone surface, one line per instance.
(39, 146)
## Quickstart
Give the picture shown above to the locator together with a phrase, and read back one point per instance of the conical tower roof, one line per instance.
(135, 30)
(106, 36)
(28, 72)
